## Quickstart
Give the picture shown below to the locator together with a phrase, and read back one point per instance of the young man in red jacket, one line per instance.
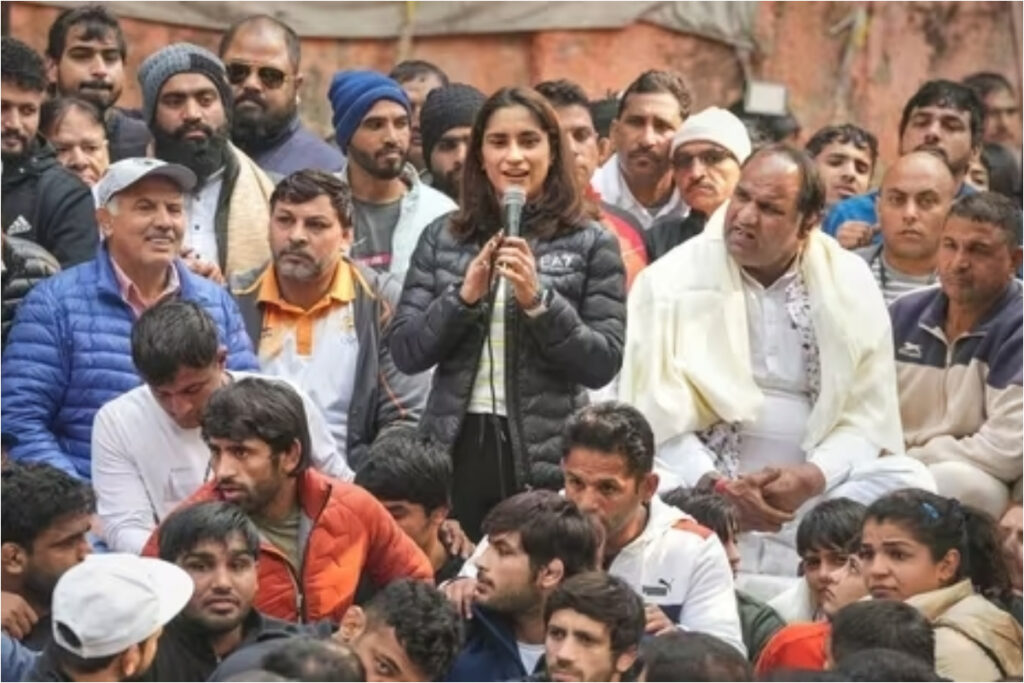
(317, 535)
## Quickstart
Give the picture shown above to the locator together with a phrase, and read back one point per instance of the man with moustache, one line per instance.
(218, 546)
(261, 56)
(638, 178)
(446, 122)
(148, 454)
(1002, 109)
(706, 156)
(187, 103)
(319, 537)
(575, 118)
(943, 116)
(69, 351)
(320, 320)
(594, 623)
(958, 357)
(761, 353)
(85, 56)
(390, 204)
(913, 201)
(42, 201)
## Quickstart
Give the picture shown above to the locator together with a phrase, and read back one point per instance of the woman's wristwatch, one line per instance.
(540, 303)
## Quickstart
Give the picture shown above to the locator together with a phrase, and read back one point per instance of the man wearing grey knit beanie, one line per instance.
(186, 101)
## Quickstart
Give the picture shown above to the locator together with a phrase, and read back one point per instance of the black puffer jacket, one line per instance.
(46, 203)
(549, 359)
(25, 264)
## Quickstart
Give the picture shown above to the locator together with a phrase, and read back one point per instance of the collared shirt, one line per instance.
(609, 182)
(201, 235)
(316, 348)
(133, 297)
(780, 371)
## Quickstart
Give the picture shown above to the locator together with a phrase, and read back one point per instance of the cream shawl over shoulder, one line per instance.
(687, 357)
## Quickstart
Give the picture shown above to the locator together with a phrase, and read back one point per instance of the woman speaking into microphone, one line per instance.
(517, 322)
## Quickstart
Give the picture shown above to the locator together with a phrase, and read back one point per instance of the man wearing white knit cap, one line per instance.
(108, 613)
(707, 153)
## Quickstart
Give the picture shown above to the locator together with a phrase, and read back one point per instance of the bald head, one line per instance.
(913, 201)
(264, 28)
(923, 165)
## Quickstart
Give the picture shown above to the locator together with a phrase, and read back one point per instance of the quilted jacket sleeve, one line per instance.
(587, 343)
(428, 323)
(240, 352)
(36, 366)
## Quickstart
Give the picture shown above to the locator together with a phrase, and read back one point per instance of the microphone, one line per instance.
(512, 204)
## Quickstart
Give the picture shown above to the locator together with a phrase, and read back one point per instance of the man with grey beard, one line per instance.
(187, 103)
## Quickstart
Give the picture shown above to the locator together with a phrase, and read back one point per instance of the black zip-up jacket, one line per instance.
(184, 652)
(549, 359)
(46, 203)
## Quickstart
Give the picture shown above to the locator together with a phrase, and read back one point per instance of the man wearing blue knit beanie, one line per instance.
(390, 205)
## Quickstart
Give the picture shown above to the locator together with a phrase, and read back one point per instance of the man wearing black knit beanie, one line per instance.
(445, 124)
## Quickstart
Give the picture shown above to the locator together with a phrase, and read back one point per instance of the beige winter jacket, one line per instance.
(974, 639)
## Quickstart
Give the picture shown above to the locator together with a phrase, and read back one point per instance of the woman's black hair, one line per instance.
(944, 524)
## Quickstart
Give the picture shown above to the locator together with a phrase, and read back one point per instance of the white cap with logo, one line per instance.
(112, 601)
(123, 174)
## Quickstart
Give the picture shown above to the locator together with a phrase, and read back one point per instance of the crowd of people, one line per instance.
(518, 386)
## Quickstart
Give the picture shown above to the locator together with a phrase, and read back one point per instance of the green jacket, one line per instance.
(759, 623)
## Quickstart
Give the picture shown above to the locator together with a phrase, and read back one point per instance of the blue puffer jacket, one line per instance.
(69, 352)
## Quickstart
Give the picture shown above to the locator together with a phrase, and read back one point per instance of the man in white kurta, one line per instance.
(761, 352)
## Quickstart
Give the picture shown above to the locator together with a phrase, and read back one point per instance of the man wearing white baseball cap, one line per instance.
(69, 350)
(108, 613)
(707, 152)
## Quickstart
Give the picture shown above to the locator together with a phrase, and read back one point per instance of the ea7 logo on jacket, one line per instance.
(559, 262)
(909, 350)
(19, 226)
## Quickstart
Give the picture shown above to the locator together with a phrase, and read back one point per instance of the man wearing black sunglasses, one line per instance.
(261, 56)
(707, 152)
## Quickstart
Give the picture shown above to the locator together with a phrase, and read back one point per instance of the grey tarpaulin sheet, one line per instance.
(729, 22)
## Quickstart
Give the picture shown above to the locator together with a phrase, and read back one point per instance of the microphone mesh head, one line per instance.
(514, 196)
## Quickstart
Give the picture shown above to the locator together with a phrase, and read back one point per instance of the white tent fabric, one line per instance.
(728, 22)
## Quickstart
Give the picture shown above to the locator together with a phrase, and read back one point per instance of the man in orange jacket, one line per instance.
(318, 535)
